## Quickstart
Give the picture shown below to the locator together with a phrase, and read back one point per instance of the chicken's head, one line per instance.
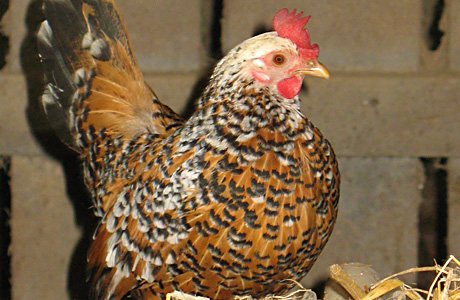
(281, 59)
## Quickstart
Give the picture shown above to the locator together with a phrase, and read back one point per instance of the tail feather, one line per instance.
(58, 93)
(93, 79)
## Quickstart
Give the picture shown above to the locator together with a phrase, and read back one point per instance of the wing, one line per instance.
(93, 80)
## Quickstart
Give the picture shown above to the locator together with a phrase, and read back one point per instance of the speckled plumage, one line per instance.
(233, 201)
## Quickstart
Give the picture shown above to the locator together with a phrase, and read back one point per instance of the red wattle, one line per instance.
(289, 87)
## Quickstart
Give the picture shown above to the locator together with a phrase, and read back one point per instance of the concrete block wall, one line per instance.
(43, 227)
(390, 101)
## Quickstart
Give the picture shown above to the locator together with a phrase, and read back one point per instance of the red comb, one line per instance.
(291, 26)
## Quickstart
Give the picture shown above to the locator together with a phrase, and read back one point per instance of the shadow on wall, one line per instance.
(5, 192)
(4, 39)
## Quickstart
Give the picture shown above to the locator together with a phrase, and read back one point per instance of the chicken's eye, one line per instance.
(279, 59)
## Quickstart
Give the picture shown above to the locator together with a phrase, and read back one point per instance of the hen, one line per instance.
(233, 201)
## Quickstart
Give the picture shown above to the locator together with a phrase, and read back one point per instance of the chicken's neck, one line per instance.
(244, 106)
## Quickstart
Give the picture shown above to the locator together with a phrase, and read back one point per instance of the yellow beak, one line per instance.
(313, 68)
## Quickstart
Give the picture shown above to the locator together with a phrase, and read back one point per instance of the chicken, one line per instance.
(233, 201)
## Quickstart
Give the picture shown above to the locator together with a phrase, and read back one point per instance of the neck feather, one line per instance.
(244, 106)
